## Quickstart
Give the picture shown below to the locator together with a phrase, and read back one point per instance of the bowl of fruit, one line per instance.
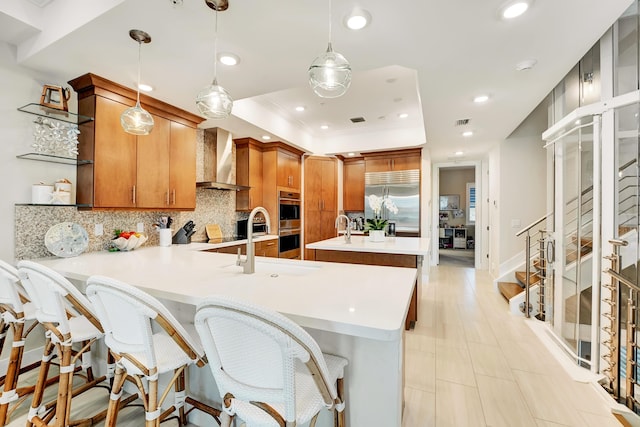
(127, 240)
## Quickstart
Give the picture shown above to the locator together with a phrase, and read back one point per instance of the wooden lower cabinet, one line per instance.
(266, 248)
(372, 258)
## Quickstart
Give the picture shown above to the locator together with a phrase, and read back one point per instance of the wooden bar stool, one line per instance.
(269, 371)
(128, 315)
(15, 311)
(69, 319)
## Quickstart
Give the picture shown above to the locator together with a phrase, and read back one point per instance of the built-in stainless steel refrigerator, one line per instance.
(403, 189)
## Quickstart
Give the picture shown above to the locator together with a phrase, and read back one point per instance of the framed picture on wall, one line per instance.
(450, 202)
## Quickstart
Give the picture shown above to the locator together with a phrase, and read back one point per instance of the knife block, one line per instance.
(181, 238)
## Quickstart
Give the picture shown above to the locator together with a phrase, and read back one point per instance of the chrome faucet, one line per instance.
(347, 235)
(249, 263)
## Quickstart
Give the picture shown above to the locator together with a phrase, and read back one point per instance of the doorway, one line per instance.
(456, 190)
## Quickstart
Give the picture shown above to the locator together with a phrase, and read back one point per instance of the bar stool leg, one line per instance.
(179, 388)
(340, 416)
(13, 371)
(226, 420)
(63, 406)
(152, 403)
(41, 383)
(116, 393)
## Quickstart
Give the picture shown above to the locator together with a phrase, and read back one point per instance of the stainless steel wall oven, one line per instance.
(289, 210)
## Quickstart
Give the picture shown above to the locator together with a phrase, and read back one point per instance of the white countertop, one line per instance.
(359, 300)
(391, 245)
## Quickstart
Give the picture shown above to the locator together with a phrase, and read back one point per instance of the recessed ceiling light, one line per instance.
(351, 154)
(514, 8)
(227, 58)
(467, 133)
(300, 108)
(266, 137)
(357, 19)
(480, 99)
(324, 127)
(577, 122)
(403, 115)
(527, 64)
(145, 88)
(459, 153)
(41, 3)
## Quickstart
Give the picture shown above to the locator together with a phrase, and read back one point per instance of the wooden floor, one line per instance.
(468, 362)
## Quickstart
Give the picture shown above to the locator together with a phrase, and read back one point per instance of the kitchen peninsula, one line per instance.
(393, 252)
(351, 311)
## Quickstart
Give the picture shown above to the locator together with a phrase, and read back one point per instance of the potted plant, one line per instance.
(376, 225)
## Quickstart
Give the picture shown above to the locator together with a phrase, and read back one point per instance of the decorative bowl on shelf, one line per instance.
(128, 244)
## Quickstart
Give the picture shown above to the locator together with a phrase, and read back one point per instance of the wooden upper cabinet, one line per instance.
(393, 160)
(288, 170)
(248, 173)
(155, 171)
(114, 159)
(152, 178)
(182, 167)
(320, 200)
(353, 185)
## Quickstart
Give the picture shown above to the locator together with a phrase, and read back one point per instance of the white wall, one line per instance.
(20, 86)
(522, 182)
(493, 210)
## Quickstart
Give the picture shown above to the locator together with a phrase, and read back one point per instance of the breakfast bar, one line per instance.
(350, 311)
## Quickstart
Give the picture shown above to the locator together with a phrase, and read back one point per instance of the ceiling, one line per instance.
(426, 58)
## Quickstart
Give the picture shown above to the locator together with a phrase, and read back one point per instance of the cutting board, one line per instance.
(213, 231)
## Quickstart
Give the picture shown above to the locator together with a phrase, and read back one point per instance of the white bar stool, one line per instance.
(127, 314)
(69, 319)
(15, 311)
(270, 371)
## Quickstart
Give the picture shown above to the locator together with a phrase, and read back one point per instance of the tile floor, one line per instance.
(468, 362)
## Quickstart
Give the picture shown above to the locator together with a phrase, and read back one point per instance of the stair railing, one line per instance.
(530, 255)
(613, 343)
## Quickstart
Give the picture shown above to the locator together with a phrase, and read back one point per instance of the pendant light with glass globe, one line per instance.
(136, 120)
(214, 101)
(330, 73)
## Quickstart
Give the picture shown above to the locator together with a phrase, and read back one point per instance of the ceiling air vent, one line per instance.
(357, 119)
(462, 122)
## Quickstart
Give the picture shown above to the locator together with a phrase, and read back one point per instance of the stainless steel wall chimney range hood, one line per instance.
(218, 161)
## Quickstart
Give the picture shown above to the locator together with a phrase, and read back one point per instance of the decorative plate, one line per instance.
(66, 239)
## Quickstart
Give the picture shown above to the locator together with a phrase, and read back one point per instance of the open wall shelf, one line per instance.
(53, 159)
(52, 113)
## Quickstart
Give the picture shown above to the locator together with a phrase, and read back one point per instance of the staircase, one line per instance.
(513, 290)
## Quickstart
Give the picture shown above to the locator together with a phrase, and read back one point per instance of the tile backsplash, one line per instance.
(32, 222)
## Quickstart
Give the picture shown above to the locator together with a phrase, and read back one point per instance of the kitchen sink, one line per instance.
(274, 269)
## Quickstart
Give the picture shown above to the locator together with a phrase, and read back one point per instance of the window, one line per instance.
(471, 202)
